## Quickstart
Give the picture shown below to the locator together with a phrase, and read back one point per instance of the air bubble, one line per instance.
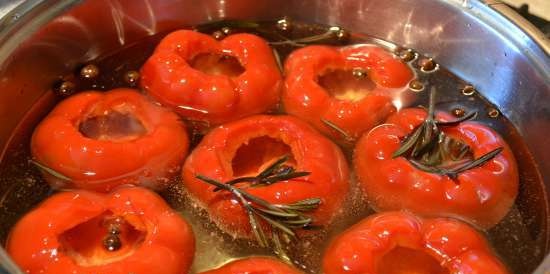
(416, 86)
(468, 90)
(284, 24)
(428, 65)
(359, 73)
(493, 113)
(131, 77)
(64, 88)
(226, 31)
(458, 112)
(407, 55)
(218, 35)
(89, 71)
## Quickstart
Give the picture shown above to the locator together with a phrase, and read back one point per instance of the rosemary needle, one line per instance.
(50, 171)
(342, 132)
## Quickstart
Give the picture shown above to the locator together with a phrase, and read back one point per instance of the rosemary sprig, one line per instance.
(275, 172)
(453, 172)
(50, 171)
(281, 220)
(469, 116)
(427, 147)
(342, 132)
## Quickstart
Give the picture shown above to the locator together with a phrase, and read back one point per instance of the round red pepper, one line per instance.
(200, 79)
(101, 140)
(246, 147)
(399, 243)
(254, 265)
(482, 195)
(131, 230)
(354, 105)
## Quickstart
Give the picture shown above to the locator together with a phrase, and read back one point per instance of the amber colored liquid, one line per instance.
(520, 239)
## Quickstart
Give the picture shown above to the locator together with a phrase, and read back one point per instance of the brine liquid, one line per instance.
(520, 239)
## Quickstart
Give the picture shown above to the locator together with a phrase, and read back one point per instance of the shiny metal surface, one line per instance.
(7, 5)
(534, 33)
(6, 265)
(43, 40)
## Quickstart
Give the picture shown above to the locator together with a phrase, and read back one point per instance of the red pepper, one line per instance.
(353, 104)
(101, 140)
(482, 195)
(398, 242)
(246, 147)
(254, 265)
(131, 230)
(213, 81)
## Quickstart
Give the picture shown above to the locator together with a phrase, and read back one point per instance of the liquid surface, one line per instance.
(520, 239)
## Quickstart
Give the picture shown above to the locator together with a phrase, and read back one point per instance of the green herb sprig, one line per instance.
(280, 220)
(427, 147)
(275, 172)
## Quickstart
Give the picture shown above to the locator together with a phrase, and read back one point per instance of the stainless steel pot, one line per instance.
(485, 43)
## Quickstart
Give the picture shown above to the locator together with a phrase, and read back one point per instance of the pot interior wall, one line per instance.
(470, 39)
